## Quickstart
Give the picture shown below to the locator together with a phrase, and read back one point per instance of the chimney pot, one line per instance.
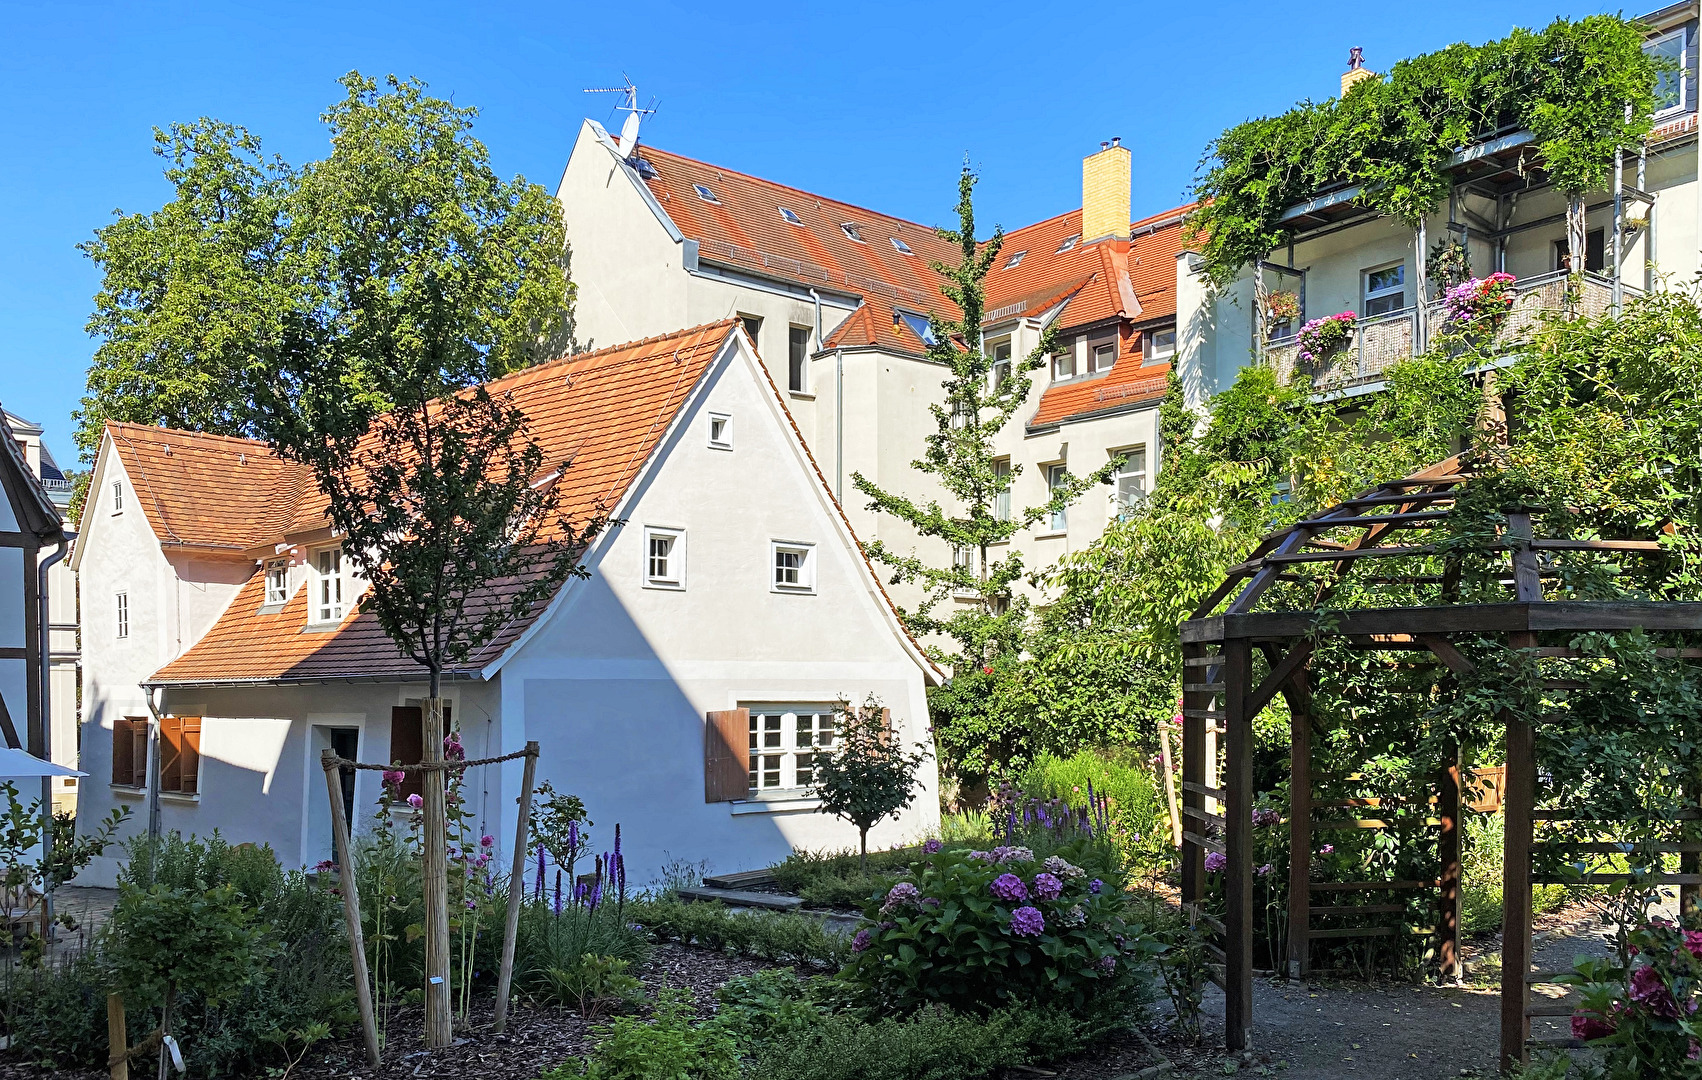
(1104, 145)
(1116, 140)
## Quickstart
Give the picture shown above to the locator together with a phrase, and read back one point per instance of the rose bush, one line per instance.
(981, 930)
(1644, 1011)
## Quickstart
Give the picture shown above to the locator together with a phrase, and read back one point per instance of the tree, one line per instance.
(868, 776)
(959, 453)
(360, 305)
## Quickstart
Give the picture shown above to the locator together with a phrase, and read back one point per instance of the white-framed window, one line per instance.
(329, 605)
(1101, 352)
(792, 566)
(720, 431)
(1002, 501)
(851, 231)
(1160, 345)
(901, 247)
(785, 740)
(790, 217)
(1015, 260)
(798, 359)
(1057, 478)
(1069, 242)
(118, 496)
(1671, 85)
(705, 194)
(122, 610)
(664, 558)
(1130, 479)
(1385, 289)
(1064, 363)
(999, 353)
(277, 581)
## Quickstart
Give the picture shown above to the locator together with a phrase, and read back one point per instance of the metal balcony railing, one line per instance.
(1384, 340)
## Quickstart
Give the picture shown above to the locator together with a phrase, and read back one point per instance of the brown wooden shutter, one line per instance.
(123, 753)
(171, 753)
(139, 753)
(727, 756)
(190, 780)
(406, 739)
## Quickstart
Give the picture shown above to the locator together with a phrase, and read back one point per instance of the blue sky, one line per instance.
(873, 103)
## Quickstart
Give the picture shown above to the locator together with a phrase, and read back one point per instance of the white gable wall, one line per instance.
(616, 685)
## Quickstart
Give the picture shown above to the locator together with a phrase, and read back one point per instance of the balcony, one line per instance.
(1382, 341)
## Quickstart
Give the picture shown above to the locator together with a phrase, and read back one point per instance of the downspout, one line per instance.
(152, 775)
(1619, 225)
(45, 651)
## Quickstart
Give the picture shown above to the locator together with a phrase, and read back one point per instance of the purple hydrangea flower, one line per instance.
(904, 894)
(1047, 887)
(1028, 922)
(1094, 886)
(1215, 861)
(1107, 964)
(1266, 817)
(932, 847)
(1009, 887)
(1263, 870)
(861, 941)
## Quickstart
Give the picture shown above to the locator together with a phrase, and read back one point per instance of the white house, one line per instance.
(680, 690)
(836, 296)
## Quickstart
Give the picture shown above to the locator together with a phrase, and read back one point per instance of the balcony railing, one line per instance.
(1384, 340)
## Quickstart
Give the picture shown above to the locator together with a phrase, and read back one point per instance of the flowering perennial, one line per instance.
(1479, 304)
(1322, 338)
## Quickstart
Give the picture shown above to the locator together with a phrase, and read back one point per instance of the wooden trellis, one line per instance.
(1221, 696)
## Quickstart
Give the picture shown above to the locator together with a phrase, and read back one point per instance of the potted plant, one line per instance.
(1282, 308)
(1479, 305)
(1320, 339)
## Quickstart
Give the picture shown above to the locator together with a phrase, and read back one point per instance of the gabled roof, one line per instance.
(210, 492)
(34, 511)
(602, 412)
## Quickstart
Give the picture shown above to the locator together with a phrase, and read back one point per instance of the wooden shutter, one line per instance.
(190, 777)
(171, 753)
(727, 756)
(123, 753)
(406, 738)
(139, 753)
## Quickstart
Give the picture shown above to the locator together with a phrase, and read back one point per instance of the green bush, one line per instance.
(663, 1046)
(758, 1007)
(933, 1044)
(593, 984)
(1137, 806)
(784, 937)
(547, 942)
(981, 930)
(1481, 878)
(55, 1015)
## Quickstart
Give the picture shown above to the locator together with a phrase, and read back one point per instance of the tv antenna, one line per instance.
(634, 114)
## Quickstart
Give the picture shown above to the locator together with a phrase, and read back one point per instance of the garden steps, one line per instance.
(743, 898)
(744, 879)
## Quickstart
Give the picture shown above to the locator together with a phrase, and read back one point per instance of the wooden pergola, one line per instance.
(1223, 690)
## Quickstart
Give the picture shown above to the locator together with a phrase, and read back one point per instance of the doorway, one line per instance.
(321, 835)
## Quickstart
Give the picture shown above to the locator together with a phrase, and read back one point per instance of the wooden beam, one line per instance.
(1444, 651)
(1299, 817)
(516, 888)
(1281, 672)
(1449, 857)
(1238, 873)
(1193, 779)
(1519, 795)
(351, 905)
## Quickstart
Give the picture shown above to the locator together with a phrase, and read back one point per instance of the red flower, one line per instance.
(987, 669)
(1587, 1026)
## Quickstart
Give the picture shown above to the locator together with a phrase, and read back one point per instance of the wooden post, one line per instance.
(1170, 783)
(1448, 852)
(439, 1017)
(1299, 832)
(1193, 777)
(351, 904)
(117, 1039)
(1518, 804)
(1238, 845)
(516, 886)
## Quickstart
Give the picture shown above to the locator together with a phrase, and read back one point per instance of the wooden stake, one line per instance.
(1299, 833)
(1518, 802)
(117, 1039)
(1449, 847)
(516, 882)
(439, 1015)
(1170, 783)
(1238, 845)
(351, 904)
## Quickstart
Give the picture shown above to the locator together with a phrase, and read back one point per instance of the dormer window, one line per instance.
(1012, 262)
(328, 600)
(705, 194)
(277, 581)
(852, 232)
(901, 247)
(791, 218)
(1069, 242)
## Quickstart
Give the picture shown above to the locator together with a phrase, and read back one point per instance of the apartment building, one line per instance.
(1641, 233)
(837, 298)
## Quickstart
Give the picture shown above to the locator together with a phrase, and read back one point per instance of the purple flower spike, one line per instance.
(1028, 922)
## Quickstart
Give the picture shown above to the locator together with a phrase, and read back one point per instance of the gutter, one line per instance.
(461, 675)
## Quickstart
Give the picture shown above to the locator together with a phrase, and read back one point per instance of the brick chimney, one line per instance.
(1105, 192)
(1356, 72)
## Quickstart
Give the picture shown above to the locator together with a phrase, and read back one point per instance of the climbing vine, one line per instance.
(1569, 85)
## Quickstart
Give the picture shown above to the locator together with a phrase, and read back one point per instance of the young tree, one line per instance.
(868, 776)
(363, 303)
(959, 454)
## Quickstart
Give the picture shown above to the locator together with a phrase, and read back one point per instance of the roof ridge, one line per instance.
(608, 350)
(131, 426)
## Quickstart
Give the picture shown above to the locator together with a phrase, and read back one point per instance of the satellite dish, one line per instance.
(629, 133)
(634, 115)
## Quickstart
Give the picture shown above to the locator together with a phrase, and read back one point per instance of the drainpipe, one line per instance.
(1619, 225)
(152, 775)
(45, 651)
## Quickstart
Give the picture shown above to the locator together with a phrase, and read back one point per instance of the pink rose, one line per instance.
(415, 801)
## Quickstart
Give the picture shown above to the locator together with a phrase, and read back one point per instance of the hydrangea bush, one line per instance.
(1645, 1012)
(981, 930)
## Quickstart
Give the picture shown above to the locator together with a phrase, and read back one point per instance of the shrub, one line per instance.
(758, 1007)
(784, 937)
(546, 941)
(981, 930)
(835, 879)
(933, 1044)
(55, 1015)
(664, 1046)
(593, 984)
(868, 776)
(1134, 802)
(1641, 1009)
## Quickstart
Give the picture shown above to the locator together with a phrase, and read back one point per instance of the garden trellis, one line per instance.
(1558, 662)
(435, 861)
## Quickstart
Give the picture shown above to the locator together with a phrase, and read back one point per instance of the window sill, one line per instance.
(801, 395)
(666, 586)
(271, 609)
(793, 590)
(781, 805)
(1056, 535)
(126, 791)
(178, 797)
(321, 627)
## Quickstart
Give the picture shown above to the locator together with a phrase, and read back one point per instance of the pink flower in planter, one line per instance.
(325, 867)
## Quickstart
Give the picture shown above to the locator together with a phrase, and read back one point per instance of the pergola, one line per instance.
(1224, 688)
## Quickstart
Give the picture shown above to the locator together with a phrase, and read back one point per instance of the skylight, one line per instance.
(1014, 259)
(902, 247)
(789, 216)
(705, 194)
(1068, 243)
(918, 325)
(852, 232)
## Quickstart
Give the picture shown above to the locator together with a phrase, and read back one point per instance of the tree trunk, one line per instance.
(439, 1023)
(863, 849)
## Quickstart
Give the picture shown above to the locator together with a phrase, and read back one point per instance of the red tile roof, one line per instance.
(204, 491)
(603, 412)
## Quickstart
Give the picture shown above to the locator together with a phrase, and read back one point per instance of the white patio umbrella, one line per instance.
(17, 763)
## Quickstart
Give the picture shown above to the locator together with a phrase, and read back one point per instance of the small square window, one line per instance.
(720, 431)
(118, 496)
(1064, 363)
(1101, 352)
(1160, 345)
(794, 566)
(784, 743)
(798, 359)
(790, 217)
(1014, 260)
(664, 558)
(123, 613)
(852, 232)
(901, 246)
(277, 581)
(705, 194)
